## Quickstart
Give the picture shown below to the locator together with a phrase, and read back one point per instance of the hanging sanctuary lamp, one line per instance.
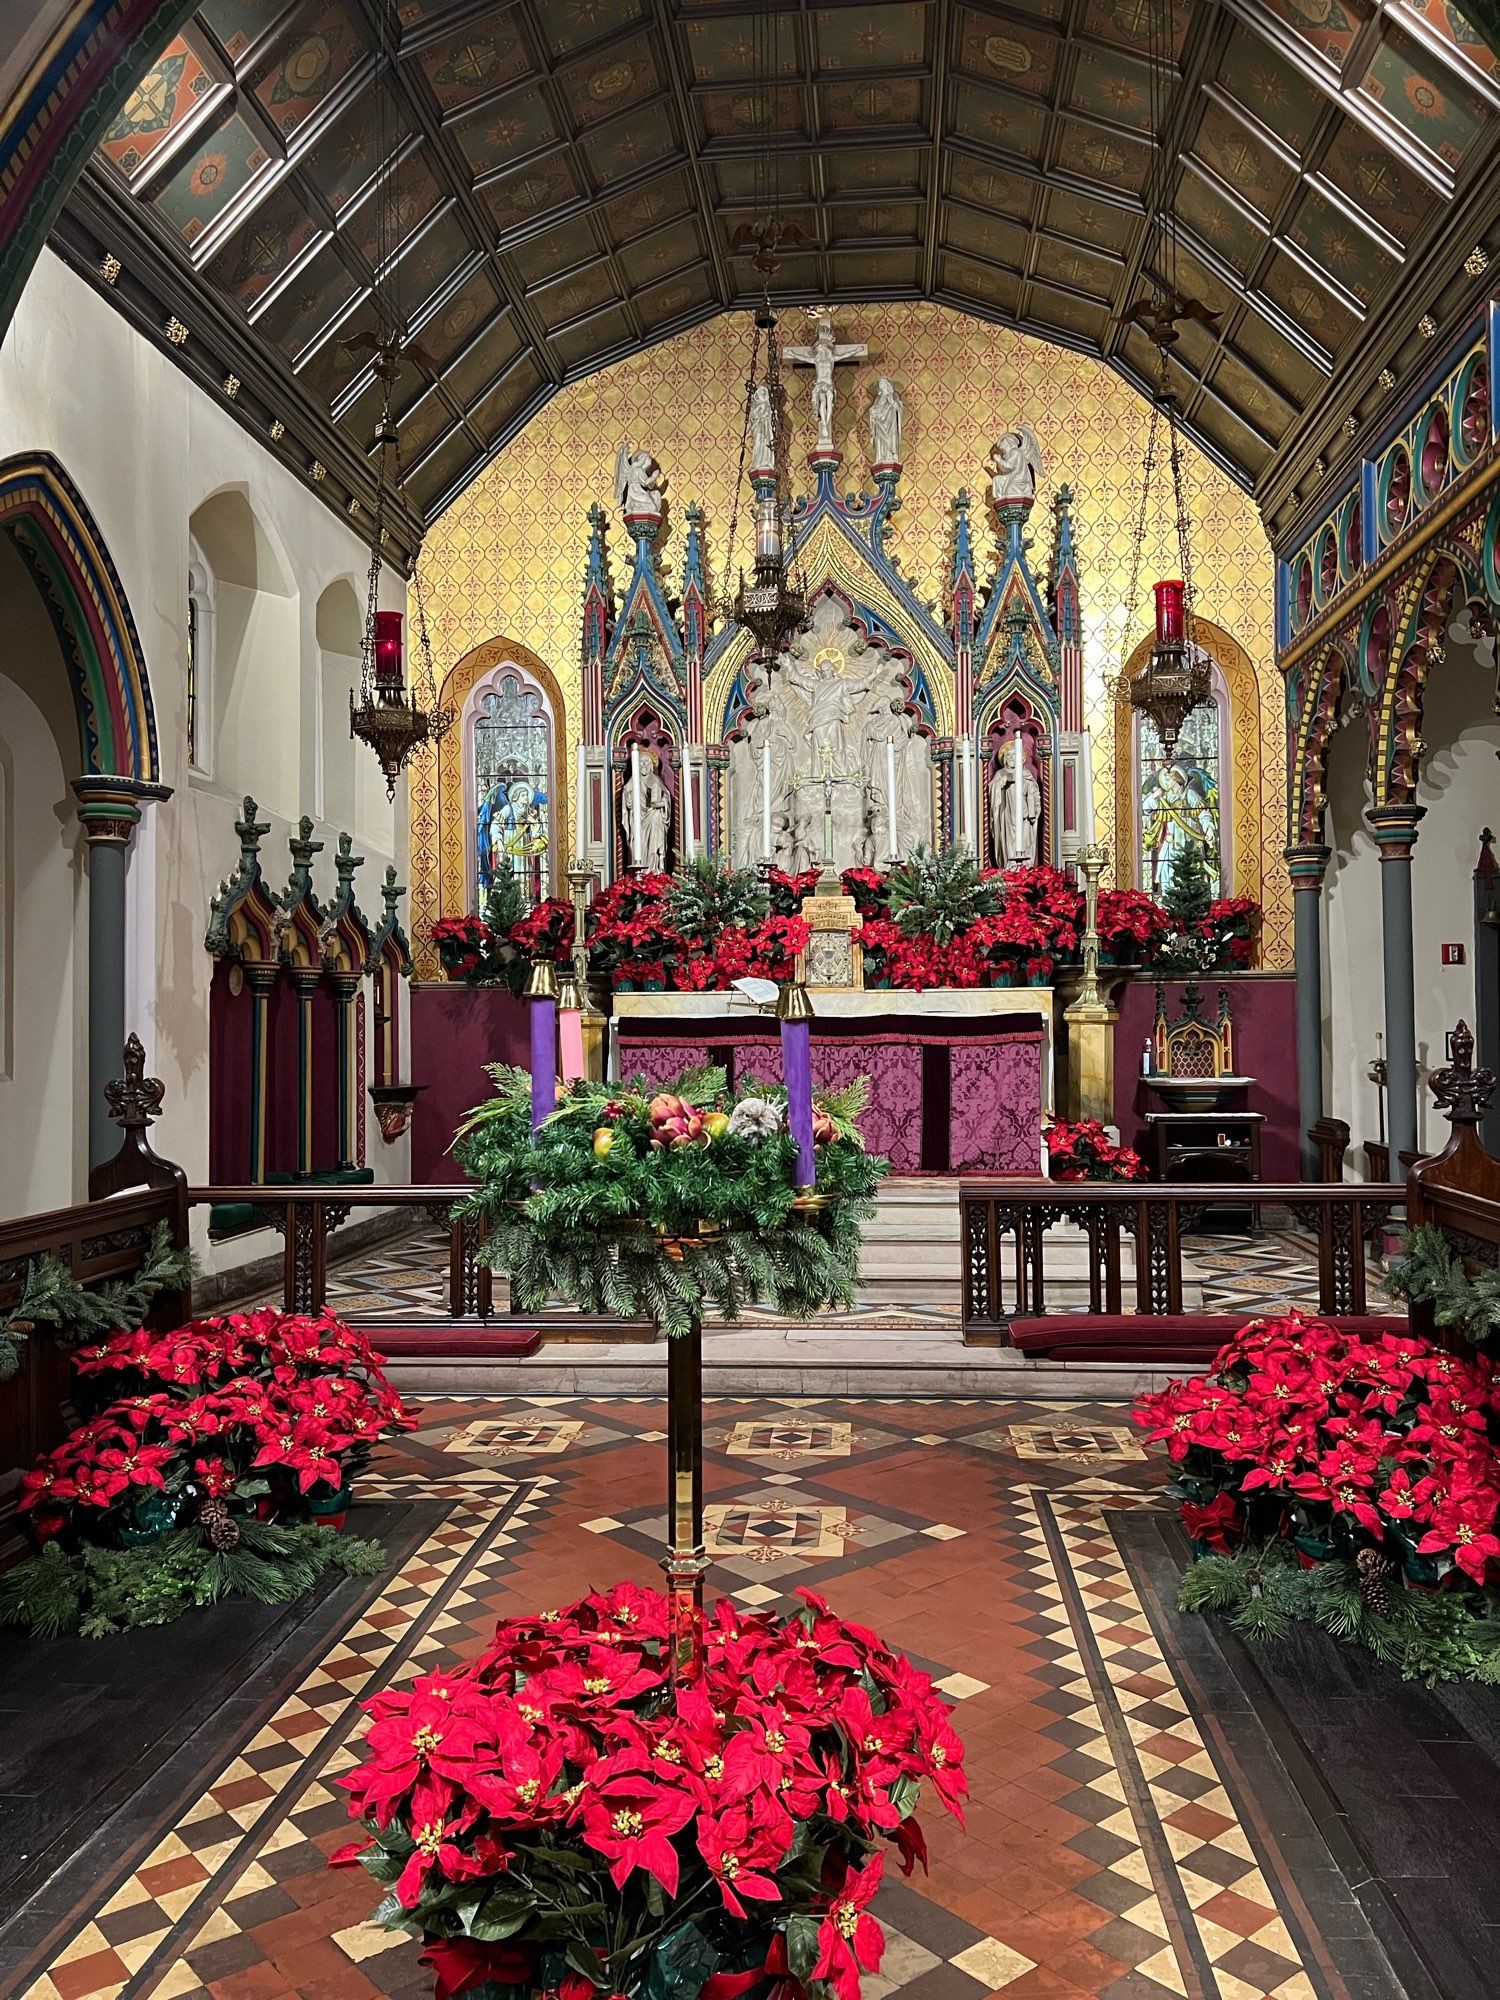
(1176, 678)
(772, 605)
(390, 715)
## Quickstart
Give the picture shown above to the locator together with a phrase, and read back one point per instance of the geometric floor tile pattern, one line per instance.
(1109, 1855)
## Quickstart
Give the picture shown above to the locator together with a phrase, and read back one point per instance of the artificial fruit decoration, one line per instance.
(716, 1124)
(604, 1139)
(674, 1122)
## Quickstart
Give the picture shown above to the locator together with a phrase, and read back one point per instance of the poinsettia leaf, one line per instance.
(499, 1916)
(583, 1958)
(802, 1946)
(904, 1795)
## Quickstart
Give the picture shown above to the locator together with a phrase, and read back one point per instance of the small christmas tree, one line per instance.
(1189, 893)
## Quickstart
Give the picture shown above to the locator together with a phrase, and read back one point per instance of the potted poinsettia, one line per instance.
(555, 1816)
(1084, 1151)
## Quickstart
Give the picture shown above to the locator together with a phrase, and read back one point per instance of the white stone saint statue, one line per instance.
(1017, 462)
(762, 429)
(823, 356)
(886, 413)
(638, 484)
(832, 694)
(1015, 808)
(646, 834)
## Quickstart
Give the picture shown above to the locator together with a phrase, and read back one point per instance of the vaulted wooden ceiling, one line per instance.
(572, 172)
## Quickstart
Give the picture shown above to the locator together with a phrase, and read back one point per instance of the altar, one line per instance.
(959, 1080)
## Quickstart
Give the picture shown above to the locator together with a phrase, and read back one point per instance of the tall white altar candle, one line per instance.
(1086, 788)
(1015, 795)
(690, 803)
(581, 779)
(890, 799)
(965, 797)
(765, 801)
(637, 807)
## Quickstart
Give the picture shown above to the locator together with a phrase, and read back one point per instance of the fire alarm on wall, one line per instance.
(1453, 954)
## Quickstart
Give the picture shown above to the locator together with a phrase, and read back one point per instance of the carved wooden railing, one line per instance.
(1005, 1226)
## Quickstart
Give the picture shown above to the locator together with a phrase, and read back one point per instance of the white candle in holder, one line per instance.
(765, 800)
(636, 805)
(1015, 794)
(890, 798)
(690, 803)
(580, 839)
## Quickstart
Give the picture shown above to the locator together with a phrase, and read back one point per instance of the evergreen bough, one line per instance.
(1429, 1636)
(941, 894)
(96, 1592)
(566, 1223)
(707, 898)
(51, 1296)
(1432, 1273)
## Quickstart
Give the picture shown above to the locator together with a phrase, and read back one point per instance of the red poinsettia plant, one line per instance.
(551, 1817)
(1084, 1151)
(1131, 925)
(1054, 903)
(767, 950)
(467, 946)
(1232, 927)
(546, 930)
(267, 1412)
(1340, 1442)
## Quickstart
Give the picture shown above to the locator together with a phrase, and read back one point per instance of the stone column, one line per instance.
(305, 983)
(347, 993)
(1395, 829)
(261, 979)
(1305, 865)
(110, 811)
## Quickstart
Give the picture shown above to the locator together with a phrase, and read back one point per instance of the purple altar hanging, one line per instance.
(543, 1060)
(796, 1058)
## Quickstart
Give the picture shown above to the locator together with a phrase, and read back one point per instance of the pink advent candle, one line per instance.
(570, 1043)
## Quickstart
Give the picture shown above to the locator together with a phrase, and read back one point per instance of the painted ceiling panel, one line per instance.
(573, 173)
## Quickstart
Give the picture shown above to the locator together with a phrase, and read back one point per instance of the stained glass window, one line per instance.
(1180, 797)
(512, 751)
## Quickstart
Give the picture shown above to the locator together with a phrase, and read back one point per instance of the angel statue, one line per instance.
(886, 412)
(1017, 462)
(638, 484)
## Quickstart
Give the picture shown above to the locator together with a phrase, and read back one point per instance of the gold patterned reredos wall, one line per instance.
(505, 561)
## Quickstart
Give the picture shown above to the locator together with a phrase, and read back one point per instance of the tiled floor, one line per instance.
(1115, 1849)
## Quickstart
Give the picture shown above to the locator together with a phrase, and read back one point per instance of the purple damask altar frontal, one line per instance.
(946, 1097)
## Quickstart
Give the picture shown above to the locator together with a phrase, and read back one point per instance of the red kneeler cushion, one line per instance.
(1181, 1337)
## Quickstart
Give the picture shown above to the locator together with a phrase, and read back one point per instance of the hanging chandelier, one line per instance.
(392, 716)
(1177, 676)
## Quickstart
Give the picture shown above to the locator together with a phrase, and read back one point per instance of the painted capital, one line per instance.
(1305, 864)
(109, 808)
(1395, 830)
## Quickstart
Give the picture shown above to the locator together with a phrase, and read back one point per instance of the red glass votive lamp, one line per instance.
(388, 665)
(1171, 627)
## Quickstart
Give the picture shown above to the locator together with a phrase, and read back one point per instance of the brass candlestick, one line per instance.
(579, 878)
(1093, 860)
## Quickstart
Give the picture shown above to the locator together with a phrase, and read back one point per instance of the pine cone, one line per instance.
(1374, 1570)
(223, 1529)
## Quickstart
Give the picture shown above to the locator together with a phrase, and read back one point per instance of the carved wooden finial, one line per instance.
(134, 1099)
(1463, 1091)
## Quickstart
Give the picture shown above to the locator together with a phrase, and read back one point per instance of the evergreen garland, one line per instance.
(51, 1296)
(579, 1212)
(940, 895)
(96, 1591)
(1432, 1273)
(1430, 1636)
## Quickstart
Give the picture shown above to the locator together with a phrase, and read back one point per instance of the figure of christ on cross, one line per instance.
(822, 357)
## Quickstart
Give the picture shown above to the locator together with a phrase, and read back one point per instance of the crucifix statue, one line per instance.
(822, 356)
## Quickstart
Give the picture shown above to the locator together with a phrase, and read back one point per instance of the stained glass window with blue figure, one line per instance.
(513, 788)
(1181, 796)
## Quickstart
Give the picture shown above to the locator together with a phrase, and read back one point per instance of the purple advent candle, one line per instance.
(543, 1061)
(796, 1060)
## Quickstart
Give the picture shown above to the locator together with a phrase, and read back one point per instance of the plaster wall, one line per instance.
(1460, 789)
(147, 449)
(43, 956)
